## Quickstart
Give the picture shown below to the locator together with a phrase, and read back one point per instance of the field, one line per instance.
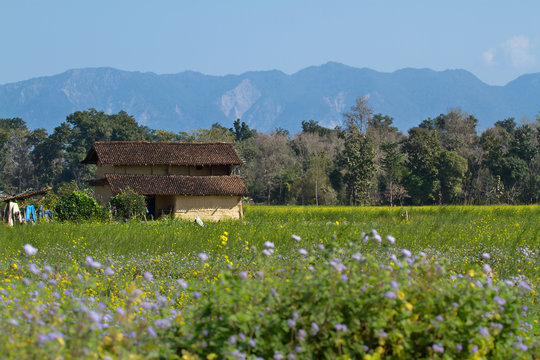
(256, 287)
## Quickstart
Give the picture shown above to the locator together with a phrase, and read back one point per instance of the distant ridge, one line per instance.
(267, 99)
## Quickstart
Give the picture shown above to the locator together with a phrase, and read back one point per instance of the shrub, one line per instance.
(339, 304)
(79, 207)
(128, 204)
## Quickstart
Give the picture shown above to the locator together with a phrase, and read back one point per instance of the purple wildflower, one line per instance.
(203, 256)
(484, 332)
(438, 347)
(314, 328)
(182, 283)
(406, 252)
(268, 252)
(151, 332)
(499, 300)
(148, 276)
(302, 334)
(390, 295)
(296, 237)
(29, 250)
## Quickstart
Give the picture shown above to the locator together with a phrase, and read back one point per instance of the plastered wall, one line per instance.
(209, 208)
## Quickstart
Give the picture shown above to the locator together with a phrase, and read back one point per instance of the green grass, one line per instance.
(460, 233)
(457, 236)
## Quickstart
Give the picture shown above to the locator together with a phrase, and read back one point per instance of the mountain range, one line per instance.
(266, 100)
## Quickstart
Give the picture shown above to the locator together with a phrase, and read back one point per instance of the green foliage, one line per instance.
(423, 150)
(502, 164)
(336, 303)
(452, 169)
(359, 161)
(313, 127)
(128, 204)
(241, 131)
(78, 206)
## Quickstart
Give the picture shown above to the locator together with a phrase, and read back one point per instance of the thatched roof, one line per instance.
(176, 184)
(162, 153)
(27, 194)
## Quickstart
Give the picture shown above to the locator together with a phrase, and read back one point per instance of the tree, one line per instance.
(392, 165)
(451, 169)
(241, 131)
(359, 160)
(313, 127)
(216, 133)
(16, 143)
(273, 160)
(422, 148)
(316, 154)
(359, 154)
(359, 115)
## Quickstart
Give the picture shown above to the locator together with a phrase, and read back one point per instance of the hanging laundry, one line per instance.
(48, 214)
(40, 212)
(30, 213)
(14, 213)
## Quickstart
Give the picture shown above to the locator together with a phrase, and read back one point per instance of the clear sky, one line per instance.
(496, 40)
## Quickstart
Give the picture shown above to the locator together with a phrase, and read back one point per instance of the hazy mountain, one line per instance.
(267, 99)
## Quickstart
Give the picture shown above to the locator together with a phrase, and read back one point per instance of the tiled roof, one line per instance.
(162, 153)
(177, 184)
(27, 194)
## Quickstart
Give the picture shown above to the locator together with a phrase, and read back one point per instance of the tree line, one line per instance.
(366, 160)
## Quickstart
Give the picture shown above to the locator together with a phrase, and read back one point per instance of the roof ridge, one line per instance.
(161, 142)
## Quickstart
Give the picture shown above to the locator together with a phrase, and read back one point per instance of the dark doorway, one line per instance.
(151, 206)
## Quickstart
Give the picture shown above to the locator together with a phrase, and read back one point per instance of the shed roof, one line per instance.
(177, 184)
(162, 153)
(27, 194)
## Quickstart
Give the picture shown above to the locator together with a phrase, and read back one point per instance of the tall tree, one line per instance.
(423, 149)
(392, 164)
(358, 156)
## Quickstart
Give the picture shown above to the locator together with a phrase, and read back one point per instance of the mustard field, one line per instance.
(283, 283)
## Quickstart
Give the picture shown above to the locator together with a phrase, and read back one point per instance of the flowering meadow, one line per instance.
(283, 283)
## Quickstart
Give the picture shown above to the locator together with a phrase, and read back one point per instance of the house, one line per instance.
(182, 179)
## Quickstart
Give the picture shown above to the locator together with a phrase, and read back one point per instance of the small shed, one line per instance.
(182, 179)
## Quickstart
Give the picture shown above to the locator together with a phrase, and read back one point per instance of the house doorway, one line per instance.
(151, 206)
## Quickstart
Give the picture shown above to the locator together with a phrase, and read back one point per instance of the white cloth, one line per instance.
(14, 214)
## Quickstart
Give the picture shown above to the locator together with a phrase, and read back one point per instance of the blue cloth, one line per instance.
(48, 214)
(40, 212)
(31, 212)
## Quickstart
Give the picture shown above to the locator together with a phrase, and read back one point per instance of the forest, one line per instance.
(364, 161)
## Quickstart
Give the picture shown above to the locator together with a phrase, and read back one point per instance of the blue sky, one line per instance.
(496, 40)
